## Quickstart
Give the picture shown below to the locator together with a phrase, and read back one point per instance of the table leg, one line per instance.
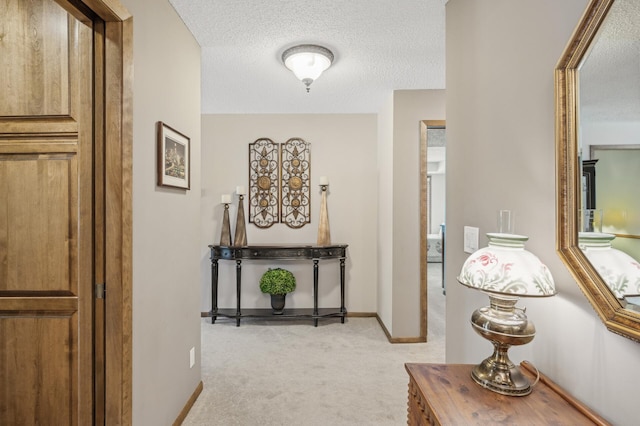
(342, 308)
(238, 287)
(214, 290)
(315, 291)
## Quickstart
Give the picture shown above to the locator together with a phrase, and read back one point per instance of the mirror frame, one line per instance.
(568, 178)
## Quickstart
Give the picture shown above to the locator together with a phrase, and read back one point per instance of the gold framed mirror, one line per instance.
(595, 82)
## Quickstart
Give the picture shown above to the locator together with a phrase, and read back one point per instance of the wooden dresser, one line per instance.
(445, 394)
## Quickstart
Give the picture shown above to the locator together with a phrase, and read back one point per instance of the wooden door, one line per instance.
(47, 216)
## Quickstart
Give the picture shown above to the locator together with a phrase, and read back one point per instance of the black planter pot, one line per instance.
(277, 303)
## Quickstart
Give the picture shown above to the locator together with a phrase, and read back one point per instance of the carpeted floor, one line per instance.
(292, 373)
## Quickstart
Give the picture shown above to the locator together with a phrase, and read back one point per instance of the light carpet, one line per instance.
(292, 373)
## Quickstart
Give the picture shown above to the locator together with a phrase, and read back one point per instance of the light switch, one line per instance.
(471, 235)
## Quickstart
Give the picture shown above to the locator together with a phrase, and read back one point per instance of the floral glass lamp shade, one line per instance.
(505, 271)
(620, 271)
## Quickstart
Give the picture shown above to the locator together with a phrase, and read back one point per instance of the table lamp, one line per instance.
(619, 271)
(505, 271)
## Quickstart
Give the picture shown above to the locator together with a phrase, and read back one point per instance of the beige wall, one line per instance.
(385, 214)
(399, 251)
(343, 149)
(500, 155)
(166, 223)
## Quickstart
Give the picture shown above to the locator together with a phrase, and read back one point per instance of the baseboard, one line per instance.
(349, 314)
(361, 314)
(408, 340)
(368, 315)
(188, 405)
(399, 339)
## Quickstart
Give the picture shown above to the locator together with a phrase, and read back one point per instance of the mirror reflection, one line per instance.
(608, 133)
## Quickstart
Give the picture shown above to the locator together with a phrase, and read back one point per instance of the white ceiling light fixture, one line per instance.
(307, 61)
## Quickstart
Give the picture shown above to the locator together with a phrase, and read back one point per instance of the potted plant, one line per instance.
(277, 282)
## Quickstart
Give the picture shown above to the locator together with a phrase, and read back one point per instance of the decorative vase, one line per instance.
(619, 271)
(277, 303)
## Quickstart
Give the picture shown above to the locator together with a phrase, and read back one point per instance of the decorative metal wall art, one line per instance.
(295, 166)
(279, 183)
(263, 183)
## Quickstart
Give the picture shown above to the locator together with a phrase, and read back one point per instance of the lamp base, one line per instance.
(504, 325)
(501, 375)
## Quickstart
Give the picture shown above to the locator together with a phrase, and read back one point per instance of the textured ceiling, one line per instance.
(379, 46)
(610, 73)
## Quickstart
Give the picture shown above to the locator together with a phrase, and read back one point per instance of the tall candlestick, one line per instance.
(241, 230)
(225, 232)
(324, 234)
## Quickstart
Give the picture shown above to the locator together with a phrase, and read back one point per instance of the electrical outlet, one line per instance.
(471, 236)
(192, 357)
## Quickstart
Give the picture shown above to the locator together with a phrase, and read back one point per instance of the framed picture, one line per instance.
(174, 158)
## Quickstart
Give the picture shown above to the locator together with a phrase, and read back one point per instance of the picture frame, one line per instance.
(174, 157)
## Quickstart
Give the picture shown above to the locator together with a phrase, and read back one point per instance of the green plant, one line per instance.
(277, 281)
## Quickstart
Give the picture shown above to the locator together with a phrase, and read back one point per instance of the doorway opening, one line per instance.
(432, 228)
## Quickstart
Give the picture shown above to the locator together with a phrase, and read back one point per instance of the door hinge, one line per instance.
(100, 291)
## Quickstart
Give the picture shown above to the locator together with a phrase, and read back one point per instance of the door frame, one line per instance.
(113, 69)
(424, 125)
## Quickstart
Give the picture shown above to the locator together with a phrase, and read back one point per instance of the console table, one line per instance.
(445, 394)
(276, 252)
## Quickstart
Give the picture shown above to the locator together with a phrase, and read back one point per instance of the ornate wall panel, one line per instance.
(295, 175)
(263, 183)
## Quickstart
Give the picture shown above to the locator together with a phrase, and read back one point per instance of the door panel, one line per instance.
(46, 216)
(39, 395)
(35, 59)
(35, 231)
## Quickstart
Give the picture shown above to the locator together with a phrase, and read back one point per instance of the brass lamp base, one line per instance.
(504, 325)
(499, 374)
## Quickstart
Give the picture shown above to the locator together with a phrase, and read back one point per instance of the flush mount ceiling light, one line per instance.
(307, 61)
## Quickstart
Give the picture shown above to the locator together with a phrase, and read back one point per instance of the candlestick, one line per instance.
(241, 232)
(324, 234)
(225, 233)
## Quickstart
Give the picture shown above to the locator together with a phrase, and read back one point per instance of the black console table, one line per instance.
(276, 252)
